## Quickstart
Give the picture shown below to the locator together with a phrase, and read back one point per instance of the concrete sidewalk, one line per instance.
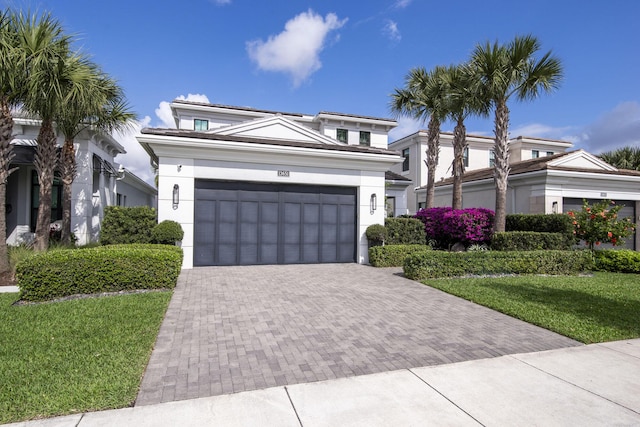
(597, 384)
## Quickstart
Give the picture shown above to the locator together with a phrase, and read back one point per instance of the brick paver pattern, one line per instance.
(232, 329)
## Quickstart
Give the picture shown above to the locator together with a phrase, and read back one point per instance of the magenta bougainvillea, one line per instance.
(446, 226)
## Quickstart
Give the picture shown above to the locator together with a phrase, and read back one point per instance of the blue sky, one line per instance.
(295, 56)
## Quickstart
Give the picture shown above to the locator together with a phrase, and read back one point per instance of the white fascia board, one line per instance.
(593, 175)
(193, 148)
(356, 119)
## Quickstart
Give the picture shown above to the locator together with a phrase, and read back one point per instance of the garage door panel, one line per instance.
(247, 223)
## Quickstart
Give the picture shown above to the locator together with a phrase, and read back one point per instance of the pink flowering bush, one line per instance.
(600, 224)
(446, 226)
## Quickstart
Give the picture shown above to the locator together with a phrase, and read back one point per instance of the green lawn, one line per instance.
(74, 356)
(604, 307)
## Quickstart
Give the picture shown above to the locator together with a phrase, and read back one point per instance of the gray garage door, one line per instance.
(241, 223)
(629, 210)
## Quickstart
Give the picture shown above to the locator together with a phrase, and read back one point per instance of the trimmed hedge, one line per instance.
(393, 255)
(617, 261)
(376, 233)
(55, 274)
(167, 233)
(123, 225)
(527, 241)
(405, 231)
(543, 223)
(427, 265)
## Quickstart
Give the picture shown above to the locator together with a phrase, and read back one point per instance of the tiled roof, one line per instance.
(392, 176)
(533, 165)
(233, 107)
(356, 116)
(183, 133)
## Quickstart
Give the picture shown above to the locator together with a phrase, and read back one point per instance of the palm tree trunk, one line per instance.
(501, 169)
(6, 155)
(69, 169)
(459, 144)
(433, 151)
(45, 163)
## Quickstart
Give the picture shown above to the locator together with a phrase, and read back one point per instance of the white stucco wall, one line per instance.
(367, 183)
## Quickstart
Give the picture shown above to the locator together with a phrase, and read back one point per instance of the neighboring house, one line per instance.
(255, 186)
(99, 182)
(478, 155)
(552, 184)
(396, 193)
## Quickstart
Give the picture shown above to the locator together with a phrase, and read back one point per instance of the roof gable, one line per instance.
(276, 128)
(580, 159)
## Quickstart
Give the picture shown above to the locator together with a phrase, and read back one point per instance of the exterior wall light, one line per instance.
(373, 203)
(554, 207)
(176, 196)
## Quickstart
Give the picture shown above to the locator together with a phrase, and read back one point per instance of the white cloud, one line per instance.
(163, 112)
(401, 4)
(391, 30)
(406, 126)
(295, 50)
(617, 128)
(539, 130)
(136, 159)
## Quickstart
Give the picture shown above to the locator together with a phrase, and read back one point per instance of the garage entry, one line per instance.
(629, 210)
(244, 223)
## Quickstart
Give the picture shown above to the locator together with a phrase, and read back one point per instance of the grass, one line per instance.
(599, 308)
(75, 356)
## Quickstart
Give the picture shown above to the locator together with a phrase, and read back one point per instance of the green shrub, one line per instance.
(425, 265)
(167, 233)
(55, 274)
(543, 223)
(393, 255)
(405, 231)
(376, 233)
(617, 261)
(123, 225)
(527, 241)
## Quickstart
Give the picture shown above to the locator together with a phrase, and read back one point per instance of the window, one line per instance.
(492, 158)
(535, 154)
(391, 206)
(200, 124)
(465, 157)
(56, 199)
(342, 135)
(549, 153)
(365, 138)
(405, 163)
(121, 199)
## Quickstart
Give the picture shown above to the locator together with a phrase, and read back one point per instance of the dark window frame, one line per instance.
(366, 141)
(200, 122)
(406, 153)
(344, 133)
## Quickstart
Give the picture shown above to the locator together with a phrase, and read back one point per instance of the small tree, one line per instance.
(600, 224)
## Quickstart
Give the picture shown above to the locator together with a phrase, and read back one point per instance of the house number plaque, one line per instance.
(283, 173)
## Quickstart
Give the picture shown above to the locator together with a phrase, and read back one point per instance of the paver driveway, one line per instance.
(231, 329)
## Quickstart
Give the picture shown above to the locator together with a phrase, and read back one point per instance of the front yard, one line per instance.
(598, 308)
(75, 356)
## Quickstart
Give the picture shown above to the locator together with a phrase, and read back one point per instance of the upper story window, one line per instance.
(342, 135)
(365, 138)
(535, 154)
(200, 124)
(492, 158)
(465, 157)
(549, 153)
(405, 163)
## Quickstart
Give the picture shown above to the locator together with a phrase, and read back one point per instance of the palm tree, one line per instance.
(505, 71)
(11, 85)
(93, 100)
(464, 98)
(623, 158)
(45, 51)
(422, 97)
